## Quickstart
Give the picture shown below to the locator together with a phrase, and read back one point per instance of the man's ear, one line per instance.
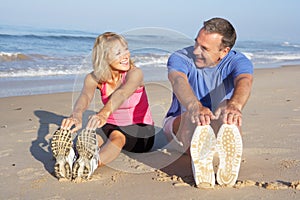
(224, 52)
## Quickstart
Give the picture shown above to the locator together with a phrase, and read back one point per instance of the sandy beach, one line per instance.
(270, 167)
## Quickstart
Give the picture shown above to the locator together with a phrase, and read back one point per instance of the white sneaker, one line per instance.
(229, 148)
(202, 152)
(61, 146)
(87, 163)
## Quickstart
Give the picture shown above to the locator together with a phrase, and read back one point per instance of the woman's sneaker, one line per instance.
(229, 148)
(61, 146)
(87, 148)
(202, 152)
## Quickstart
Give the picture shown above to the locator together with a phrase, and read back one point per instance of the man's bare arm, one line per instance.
(231, 113)
(242, 90)
(184, 93)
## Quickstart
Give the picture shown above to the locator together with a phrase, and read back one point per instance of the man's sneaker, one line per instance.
(87, 148)
(61, 146)
(202, 152)
(229, 148)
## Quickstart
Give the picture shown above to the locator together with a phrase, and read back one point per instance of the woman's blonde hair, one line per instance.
(102, 55)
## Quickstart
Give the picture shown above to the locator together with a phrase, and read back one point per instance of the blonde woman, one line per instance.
(124, 122)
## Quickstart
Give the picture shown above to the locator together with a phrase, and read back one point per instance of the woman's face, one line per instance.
(119, 57)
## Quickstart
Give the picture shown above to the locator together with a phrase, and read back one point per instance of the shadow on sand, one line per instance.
(173, 163)
(40, 147)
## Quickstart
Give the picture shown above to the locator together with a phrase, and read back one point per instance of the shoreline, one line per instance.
(270, 165)
(50, 85)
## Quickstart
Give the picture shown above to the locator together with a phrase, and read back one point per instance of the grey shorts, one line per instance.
(168, 131)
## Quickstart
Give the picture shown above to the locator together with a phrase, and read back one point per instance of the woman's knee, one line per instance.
(117, 137)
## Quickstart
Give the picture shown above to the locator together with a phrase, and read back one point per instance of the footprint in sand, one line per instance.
(30, 174)
(127, 164)
(5, 153)
(289, 163)
(295, 185)
(178, 182)
(53, 198)
(266, 185)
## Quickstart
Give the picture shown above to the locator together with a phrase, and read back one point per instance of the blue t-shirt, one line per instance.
(210, 85)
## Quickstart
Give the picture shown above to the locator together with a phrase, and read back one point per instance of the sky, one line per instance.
(253, 19)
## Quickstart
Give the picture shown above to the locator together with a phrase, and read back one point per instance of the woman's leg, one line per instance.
(111, 149)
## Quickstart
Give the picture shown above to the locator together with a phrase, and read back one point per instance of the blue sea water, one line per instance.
(38, 61)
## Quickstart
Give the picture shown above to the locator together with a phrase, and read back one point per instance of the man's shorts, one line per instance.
(168, 131)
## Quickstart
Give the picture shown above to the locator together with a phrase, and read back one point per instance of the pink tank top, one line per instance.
(134, 110)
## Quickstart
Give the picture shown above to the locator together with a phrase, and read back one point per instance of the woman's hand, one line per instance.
(73, 123)
(96, 121)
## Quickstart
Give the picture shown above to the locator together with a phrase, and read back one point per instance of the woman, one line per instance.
(125, 119)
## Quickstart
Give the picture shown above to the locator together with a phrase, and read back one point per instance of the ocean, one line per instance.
(42, 61)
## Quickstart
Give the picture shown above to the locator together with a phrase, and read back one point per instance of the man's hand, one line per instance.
(230, 114)
(200, 114)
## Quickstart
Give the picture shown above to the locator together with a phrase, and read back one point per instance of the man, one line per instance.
(211, 85)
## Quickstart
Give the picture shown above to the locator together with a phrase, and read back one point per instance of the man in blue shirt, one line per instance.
(211, 85)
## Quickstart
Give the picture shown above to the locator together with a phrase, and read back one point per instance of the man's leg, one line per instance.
(198, 142)
(180, 131)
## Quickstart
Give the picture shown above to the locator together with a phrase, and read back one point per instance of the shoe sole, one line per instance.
(86, 147)
(61, 145)
(229, 148)
(202, 152)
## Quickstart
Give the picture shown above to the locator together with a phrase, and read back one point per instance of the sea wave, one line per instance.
(45, 37)
(266, 59)
(150, 60)
(286, 57)
(7, 57)
(248, 55)
(33, 72)
(17, 56)
(275, 57)
(288, 44)
(41, 65)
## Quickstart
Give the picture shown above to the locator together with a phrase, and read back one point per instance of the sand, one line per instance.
(270, 167)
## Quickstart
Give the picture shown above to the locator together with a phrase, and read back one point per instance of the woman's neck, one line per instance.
(115, 76)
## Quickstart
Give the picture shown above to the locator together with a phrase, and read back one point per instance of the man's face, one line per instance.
(207, 49)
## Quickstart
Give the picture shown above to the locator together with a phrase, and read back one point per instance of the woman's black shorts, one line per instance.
(139, 137)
